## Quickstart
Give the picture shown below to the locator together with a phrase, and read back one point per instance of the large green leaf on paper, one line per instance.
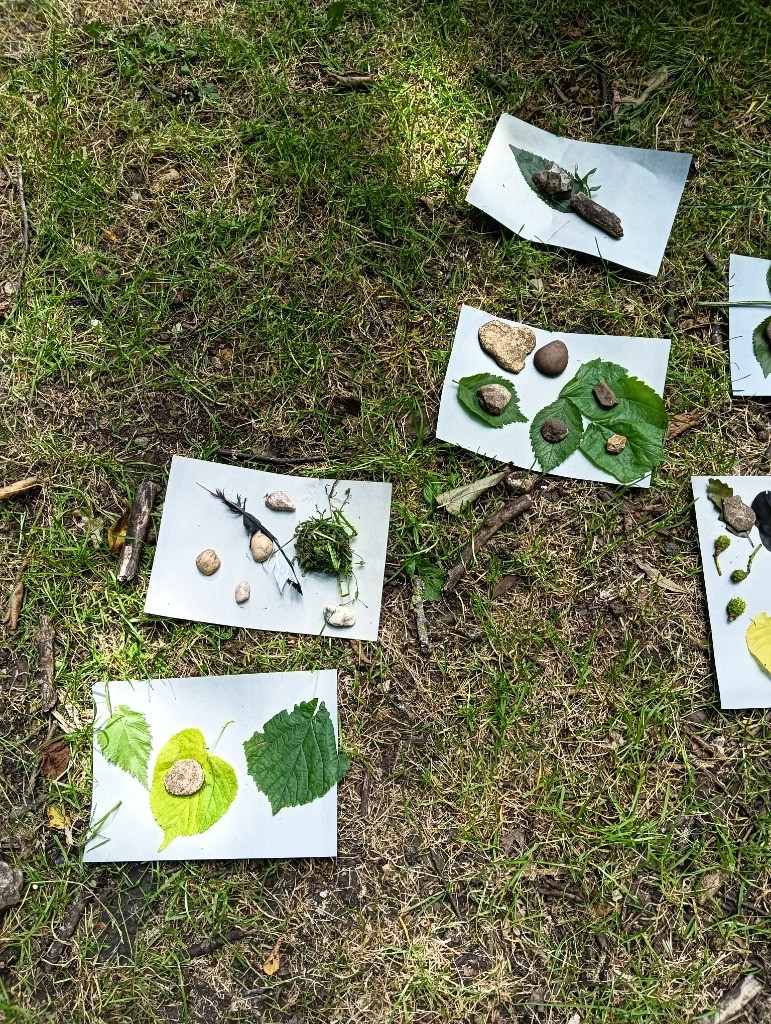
(644, 450)
(189, 815)
(550, 455)
(637, 401)
(467, 396)
(125, 741)
(759, 640)
(295, 761)
(529, 164)
(761, 346)
(717, 491)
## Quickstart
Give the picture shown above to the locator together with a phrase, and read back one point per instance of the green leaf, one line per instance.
(125, 741)
(761, 346)
(550, 455)
(644, 450)
(716, 491)
(467, 389)
(759, 640)
(189, 815)
(529, 164)
(637, 402)
(295, 760)
(768, 278)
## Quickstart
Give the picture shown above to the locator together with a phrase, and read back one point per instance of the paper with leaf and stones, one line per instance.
(641, 186)
(193, 521)
(643, 358)
(749, 280)
(743, 679)
(266, 745)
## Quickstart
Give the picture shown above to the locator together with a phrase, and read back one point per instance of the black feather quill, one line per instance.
(761, 506)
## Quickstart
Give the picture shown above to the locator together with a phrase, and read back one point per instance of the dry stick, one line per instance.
(510, 511)
(212, 945)
(136, 531)
(45, 664)
(269, 460)
(24, 225)
(734, 1001)
(420, 614)
(601, 217)
(65, 931)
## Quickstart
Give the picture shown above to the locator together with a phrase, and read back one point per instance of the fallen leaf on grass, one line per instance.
(659, 578)
(116, 535)
(273, 962)
(57, 819)
(14, 607)
(454, 500)
(504, 585)
(683, 421)
(20, 487)
(55, 759)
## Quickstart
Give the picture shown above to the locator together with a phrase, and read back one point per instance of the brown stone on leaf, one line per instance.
(509, 346)
(493, 398)
(615, 444)
(737, 515)
(601, 217)
(552, 359)
(554, 430)
(208, 562)
(604, 395)
(553, 182)
(184, 778)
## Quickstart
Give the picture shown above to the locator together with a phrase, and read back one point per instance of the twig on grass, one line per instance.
(136, 531)
(509, 511)
(24, 225)
(419, 608)
(45, 664)
(269, 460)
(733, 1002)
(217, 942)
(65, 931)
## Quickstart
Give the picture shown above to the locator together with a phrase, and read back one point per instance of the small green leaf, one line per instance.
(529, 164)
(550, 455)
(467, 389)
(768, 278)
(716, 491)
(637, 402)
(189, 815)
(125, 741)
(295, 760)
(644, 450)
(761, 346)
(759, 640)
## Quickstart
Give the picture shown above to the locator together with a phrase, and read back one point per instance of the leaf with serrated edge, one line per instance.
(295, 760)
(761, 346)
(759, 640)
(643, 452)
(550, 455)
(125, 741)
(528, 164)
(716, 491)
(467, 396)
(189, 815)
(637, 401)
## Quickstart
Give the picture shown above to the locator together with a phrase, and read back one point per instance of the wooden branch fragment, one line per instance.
(269, 460)
(10, 490)
(213, 944)
(136, 531)
(24, 225)
(45, 664)
(65, 931)
(509, 511)
(13, 611)
(601, 217)
(734, 1001)
(420, 614)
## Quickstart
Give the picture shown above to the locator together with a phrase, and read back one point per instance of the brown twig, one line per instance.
(213, 944)
(509, 511)
(24, 225)
(136, 531)
(420, 614)
(45, 664)
(269, 460)
(65, 931)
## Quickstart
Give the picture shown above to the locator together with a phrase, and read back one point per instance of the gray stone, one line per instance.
(279, 501)
(509, 346)
(339, 615)
(604, 395)
(737, 515)
(493, 398)
(554, 430)
(553, 182)
(11, 881)
(552, 359)
(243, 592)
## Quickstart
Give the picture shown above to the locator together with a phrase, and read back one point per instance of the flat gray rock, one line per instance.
(11, 881)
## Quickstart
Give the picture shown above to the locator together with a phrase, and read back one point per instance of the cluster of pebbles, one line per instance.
(262, 548)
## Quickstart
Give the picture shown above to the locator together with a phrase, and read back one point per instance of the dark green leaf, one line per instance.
(716, 491)
(550, 455)
(529, 164)
(644, 450)
(768, 279)
(335, 14)
(761, 346)
(467, 389)
(637, 402)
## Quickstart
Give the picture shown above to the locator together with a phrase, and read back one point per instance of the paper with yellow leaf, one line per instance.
(759, 640)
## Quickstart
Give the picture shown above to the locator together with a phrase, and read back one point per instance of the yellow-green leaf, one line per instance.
(759, 640)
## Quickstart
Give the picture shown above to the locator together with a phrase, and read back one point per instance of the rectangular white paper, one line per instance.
(194, 520)
(641, 186)
(122, 824)
(645, 358)
(742, 681)
(747, 283)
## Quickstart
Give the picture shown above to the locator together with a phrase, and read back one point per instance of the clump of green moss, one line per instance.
(722, 543)
(735, 607)
(323, 544)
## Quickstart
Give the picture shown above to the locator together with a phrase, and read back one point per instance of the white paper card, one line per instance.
(742, 680)
(123, 827)
(645, 358)
(193, 521)
(747, 282)
(641, 186)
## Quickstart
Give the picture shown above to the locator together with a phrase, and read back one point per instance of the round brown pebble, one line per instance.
(261, 547)
(493, 398)
(184, 778)
(554, 430)
(615, 444)
(208, 562)
(552, 359)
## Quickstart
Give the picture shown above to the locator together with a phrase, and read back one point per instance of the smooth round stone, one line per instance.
(243, 592)
(554, 430)
(279, 501)
(184, 778)
(208, 562)
(551, 360)
(261, 547)
(493, 398)
(339, 615)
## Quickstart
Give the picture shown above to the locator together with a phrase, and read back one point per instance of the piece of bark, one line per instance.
(734, 1001)
(488, 530)
(136, 531)
(45, 660)
(11, 490)
(601, 217)
(683, 421)
(420, 614)
(212, 945)
(14, 607)
(65, 931)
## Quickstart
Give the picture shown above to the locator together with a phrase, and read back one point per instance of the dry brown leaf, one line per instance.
(273, 962)
(659, 578)
(453, 501)
(57, 819)
(116, 535)
(20, 487)
(683, 421)
(55, 759)
(14, 606)
(504, 585)
(350, 79)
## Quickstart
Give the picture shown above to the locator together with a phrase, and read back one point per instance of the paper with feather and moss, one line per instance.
(635, 368)
(216, 767)
(641, 186)
(749, 325)
(737, 579)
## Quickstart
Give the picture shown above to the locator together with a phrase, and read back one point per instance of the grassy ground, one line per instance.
(548, 816)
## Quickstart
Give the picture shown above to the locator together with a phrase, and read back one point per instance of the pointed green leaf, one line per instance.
(189, 815)
(637, 402)
(716, 491)
(295, 760)
(125, 741)
(759, 640)
(550, 455)
(644, 450)
(761, 346)
(529, 164)
(467, 396)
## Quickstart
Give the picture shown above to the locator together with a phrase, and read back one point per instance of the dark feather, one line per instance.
(761, 506)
